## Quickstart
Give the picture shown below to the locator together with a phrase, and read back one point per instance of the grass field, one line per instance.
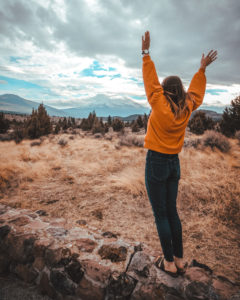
(102, 182)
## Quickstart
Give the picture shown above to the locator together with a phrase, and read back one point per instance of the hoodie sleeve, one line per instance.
(197, 88)
(152, 86)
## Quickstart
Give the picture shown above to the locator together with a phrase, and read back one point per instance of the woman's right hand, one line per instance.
(205, 61)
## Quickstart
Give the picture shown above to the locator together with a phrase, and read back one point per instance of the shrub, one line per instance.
(35, 143)
(135, 127)
(230, 122)
(192, 143)
(62, 142)
(57, 128)
(237, 136)
(4, 123)
(131, 140)
(199, 123)
(98, 126)
(117, 124)
(216, 139)
(18, 134)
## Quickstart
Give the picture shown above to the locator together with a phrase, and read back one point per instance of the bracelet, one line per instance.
(145, 51)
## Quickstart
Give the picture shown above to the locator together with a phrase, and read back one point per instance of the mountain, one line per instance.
(104, 106)
(16, 104)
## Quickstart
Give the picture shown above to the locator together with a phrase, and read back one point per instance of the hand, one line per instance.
(205, 61)
(146, 42)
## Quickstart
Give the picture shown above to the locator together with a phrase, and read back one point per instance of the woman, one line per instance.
(171, 110)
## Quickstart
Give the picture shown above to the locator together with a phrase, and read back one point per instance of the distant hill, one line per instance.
(209, 113)
(13, 103)
(117, 108)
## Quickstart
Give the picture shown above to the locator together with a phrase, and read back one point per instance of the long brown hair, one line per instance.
(176, 95)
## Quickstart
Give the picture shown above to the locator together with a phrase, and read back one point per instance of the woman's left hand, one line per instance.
(146, 41)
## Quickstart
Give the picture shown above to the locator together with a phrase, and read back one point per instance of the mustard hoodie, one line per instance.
(164, 133)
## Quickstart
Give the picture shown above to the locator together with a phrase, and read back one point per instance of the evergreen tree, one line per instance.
(4, 123)
(38, 124)
(230, 122)
(199, 123)
(139, 122)
(109, 121)
(117, 124)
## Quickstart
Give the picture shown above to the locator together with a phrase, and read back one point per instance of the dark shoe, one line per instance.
(181, 271)
(160, 264)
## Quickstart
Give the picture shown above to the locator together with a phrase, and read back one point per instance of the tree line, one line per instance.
(39, 123)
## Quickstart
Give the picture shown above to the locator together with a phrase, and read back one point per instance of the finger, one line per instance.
(210, 52)
(214, 54)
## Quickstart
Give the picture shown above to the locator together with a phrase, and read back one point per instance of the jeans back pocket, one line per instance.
(159, 170)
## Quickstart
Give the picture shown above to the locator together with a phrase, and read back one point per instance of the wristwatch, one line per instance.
(145, 51)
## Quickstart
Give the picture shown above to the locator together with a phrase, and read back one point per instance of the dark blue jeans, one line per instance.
(162, 174)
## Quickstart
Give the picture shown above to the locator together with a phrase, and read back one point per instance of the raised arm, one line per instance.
(197, 86)
(152, 85)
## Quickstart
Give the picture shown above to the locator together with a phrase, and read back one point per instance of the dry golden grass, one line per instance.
(103, 183)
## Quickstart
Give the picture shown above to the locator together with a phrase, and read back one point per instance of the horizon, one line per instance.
(48, 55)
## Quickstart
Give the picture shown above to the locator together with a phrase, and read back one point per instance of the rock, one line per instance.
(113, 252)
(37, 225)
(120, 286)
(140, 264)
(4, 264)
(4, 230)
(45, 286)
(39, 263)
(42, 212)
(224, 287)
(20, 248)
(26, 272)
(86, 244)
(109, 234)
(20, 221)
(81, 222)
(57, 256)
(198, 274)
(40, 246)
(95, 270)
(75, 271)
(3, 209)
(32, 215)
(236, 296)
(61, 282)
(88, 290)
(57, 231)
(197, 290)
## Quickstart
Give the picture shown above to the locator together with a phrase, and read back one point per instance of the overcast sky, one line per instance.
(66, 51)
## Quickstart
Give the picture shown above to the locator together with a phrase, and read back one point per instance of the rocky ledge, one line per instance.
(67, 262)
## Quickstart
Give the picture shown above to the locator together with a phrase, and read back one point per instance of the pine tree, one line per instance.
(199, 123)
(38, 124)
(109, 121)
(230, 122)
(4, 123)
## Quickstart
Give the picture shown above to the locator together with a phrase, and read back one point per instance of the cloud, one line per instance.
(93, 46)
(3, 81)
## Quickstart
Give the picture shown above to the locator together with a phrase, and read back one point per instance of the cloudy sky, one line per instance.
(67, 52)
